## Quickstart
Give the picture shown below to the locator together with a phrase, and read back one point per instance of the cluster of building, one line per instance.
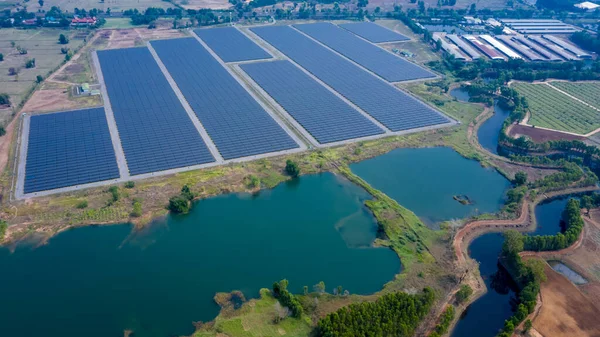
(75, 22)
(530, 40)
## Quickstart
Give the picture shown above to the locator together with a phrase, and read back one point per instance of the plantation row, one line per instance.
(552, 109)
(588, 92)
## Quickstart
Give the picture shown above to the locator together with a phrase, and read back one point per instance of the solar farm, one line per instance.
(224, 95)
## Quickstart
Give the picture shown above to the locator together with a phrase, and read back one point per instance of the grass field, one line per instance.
(588, 92)
(118, 23)
(554, 110)
(43, 46)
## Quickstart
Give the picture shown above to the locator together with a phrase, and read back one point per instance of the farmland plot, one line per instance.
(588, 92)
(554, 110)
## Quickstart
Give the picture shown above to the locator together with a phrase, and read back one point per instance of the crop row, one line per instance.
(588, 92)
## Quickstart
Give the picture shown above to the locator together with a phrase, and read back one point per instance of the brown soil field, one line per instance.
(126, 38)
(565, 311)
(198, 4)
(540, 135)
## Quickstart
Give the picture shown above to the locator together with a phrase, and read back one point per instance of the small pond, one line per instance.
(569, 273)
(426, 181)
(460, 94)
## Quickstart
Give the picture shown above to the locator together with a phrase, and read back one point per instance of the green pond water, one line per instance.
(99, 281)
(426, 180)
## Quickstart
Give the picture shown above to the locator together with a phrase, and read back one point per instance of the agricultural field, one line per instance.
(588, 92)
(114, 5)
(41, 45)
(551, 109)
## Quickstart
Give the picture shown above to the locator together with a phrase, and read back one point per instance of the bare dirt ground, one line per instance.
(540, 135)
(565, 311)
(127, 38)
(5, 143)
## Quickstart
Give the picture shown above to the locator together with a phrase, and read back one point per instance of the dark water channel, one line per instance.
(486, 316)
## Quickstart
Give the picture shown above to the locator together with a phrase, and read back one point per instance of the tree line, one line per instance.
(396, 314)
(287, 299)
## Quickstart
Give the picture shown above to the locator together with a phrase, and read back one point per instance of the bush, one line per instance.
(179, 204)
(62, 39)
(520, 178)
(442, 327)
(64, 50)
(137, 209)
(30, 63)
(187, 193)
(253, 181)
(115, 196)
(39, 79)
(82, 204)
(12, 71)
(4, 99)
(3, 228)
(129, 184)
(2, 131)
(1, 57)
(292, 168)
(463, 293)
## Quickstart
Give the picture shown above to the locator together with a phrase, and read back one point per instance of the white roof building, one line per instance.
(587, 5)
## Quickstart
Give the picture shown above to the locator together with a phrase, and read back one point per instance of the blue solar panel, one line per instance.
(324, 115)
(231, 45)
(387, 65)
(237, 124)
(390, 106)
(373, 32)
(156, 132)
(68, 149)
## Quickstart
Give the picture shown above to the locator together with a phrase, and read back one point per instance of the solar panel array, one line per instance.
(156, 132)
(68, 149)
(390, 106)
(373, 32)
(324, 115)
(231, 45)
(237, 124)
(389, 66)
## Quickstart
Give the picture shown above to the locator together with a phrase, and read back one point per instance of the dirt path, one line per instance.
(6, 141)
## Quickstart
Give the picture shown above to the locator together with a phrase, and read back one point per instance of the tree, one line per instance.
(536, 270)
(587, 202)
(39, 79)
(30, 63)
(137, 209)
(108, 11)
(3, 228)
(4, 99)
(362, 3)
(179, 204)
(527, 326)
(473, 9)
(1, 57)
(114, 194)
(63, 39)
(320, 287)
(463, 293)
(41, 2)
(292, 168)
(520, 178)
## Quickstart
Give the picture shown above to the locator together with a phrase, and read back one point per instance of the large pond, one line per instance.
(427, 180)
(486, 315)
(99, 281)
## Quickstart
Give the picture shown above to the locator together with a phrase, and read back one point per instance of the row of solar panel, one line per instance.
(393, 108)
(150, 118)
(325, 116)
(55, 156)
(234, 120)
(231, 45)
(383, 63)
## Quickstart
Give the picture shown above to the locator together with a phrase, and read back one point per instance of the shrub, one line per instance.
(253, 181)
(62, 39)
(520, 178)
(137, 209)
(129, 184)
(3, 228)
(187, 193)
(64, 50)
(463, 293)
(39, 79)
(2, 131)
(30, 63)
(82, 204)
(12, 71)
(179, 204)
(292, 168)
(1, 57)
(4, 99)
(115, 195)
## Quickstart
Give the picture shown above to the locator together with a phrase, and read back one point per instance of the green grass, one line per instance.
(552, 109)
(255, 319)
(118, 23)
